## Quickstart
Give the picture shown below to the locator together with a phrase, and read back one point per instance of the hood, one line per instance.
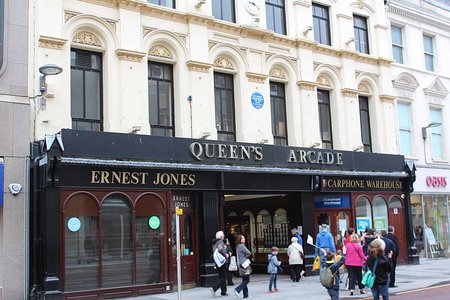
(269, 256)
(323, 232)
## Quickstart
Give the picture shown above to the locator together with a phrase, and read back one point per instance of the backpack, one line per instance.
(219, 259)
(327, 278)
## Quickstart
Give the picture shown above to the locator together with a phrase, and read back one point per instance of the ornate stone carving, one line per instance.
(349, 93)
(129, 55)
(160, 51)
(277, 73)
(68, 15)
(436, 89)
(198, 66)
(363, 88)
(87, 38)
(387, 98)
(322, 80)
(146, 30)
(256, 77)
(307, 85)
(224, 63)
(112, 23)
(51, 42)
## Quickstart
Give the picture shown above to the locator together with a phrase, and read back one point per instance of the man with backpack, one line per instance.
(329, 274)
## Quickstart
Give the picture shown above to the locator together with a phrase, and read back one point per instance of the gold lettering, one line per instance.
(233, 152)
(302, 156)
(319, 158)
(292, 157)
(191, 179)
(115, 177)
(105, 176)
(258, 153)
(95, 177)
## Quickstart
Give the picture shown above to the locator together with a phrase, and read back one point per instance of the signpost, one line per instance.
(178, 213)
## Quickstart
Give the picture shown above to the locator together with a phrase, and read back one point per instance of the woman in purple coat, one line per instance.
(354, 264)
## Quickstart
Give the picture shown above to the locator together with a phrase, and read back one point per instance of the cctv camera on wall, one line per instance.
(14, 188)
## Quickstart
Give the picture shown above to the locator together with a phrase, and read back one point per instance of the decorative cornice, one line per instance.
(224, 63)
(387, 98)
(256, 77)
(436, 89)
(277, 73)
(160, 51)
(405, 81)
(381, 26)
(198, 66)
(363, 88)
(51, 42)
(305, 3)
(419, 17)
(130, 55)
(349, 93)
(307, 85)
(87, 38)
(344, 16)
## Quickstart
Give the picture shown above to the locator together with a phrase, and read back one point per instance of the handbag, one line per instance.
(233, 265)
(219, 259)
(369, 277)
(245, 269)
(316, 264)
(279, 270)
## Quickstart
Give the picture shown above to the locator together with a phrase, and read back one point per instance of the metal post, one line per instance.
(177, 229)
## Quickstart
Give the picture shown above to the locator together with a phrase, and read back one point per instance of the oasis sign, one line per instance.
(436, 181)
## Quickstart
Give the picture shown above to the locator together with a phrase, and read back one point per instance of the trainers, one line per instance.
(363, 291)
(351, 292)
(213, 293)
(224, 294)
(302, 273)
(237, 293)
(271, 292)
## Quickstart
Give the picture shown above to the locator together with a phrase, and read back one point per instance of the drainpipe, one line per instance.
(26, 224)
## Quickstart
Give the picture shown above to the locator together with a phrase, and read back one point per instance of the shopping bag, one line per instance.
(233, 265)
(316, 264)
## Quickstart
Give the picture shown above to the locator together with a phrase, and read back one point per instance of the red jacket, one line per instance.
(355, 255)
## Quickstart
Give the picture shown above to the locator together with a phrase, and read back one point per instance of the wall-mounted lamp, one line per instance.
(200, 3)
(135, 129)
(205, 135)
(45, 70)
(315, 145)
(424, 129)
(350, 40)
(307, 29)
(359, 148)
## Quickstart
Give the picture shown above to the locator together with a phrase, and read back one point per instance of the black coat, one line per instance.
(389, 246)
(394, 239)
(384, 267)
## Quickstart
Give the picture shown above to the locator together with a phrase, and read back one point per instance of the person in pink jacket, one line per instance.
(354, 263)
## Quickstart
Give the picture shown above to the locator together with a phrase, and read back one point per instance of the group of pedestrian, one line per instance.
(371, 251)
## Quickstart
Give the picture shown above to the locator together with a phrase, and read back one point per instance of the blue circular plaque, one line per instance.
(257, 100)
(74, 224)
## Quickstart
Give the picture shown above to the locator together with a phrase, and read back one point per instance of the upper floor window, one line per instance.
(361, 34)
(428, 52)
(224, 105)
(86, 101)
(323, 98)
(223, 10)
(404, 127)
(436, 133)
(278, 108)
(166, 3)
(275, 16)
(397, 43)
(321, 23)
(364, 118)
(160, 98)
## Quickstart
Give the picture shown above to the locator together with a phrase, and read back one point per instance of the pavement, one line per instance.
(409, 277)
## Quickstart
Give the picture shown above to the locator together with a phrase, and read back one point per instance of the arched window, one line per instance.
(232, 214)
(281, 228)
(80, 243)
(150, 253)
(117, 242)
(380, 213)
(363, 213)
(395, 203)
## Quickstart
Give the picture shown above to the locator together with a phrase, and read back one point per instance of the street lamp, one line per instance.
(424, 129)
(45, 70)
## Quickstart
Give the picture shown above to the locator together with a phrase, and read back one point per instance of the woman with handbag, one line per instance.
(354, 263)
(295, 253)
(380, 265)
(229, 267)
(243, 255)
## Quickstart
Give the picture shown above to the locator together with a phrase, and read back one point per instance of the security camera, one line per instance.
(15, 188)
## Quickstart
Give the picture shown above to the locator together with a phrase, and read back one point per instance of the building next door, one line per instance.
(338, 222)
(188, 241)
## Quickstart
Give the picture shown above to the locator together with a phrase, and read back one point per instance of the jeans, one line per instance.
(222, 280)
(273, 281)
(334, 294)
(243, 286)
(382, 290)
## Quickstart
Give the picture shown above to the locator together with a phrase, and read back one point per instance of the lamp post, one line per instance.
(424, 129)
(45, 70)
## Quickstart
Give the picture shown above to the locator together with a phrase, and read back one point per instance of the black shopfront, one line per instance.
(103, 206)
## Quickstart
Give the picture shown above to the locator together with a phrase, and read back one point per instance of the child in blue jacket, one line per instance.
(329, 260)
(272, 269)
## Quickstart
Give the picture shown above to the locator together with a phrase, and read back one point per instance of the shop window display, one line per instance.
(363, 214)
(380, 214)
